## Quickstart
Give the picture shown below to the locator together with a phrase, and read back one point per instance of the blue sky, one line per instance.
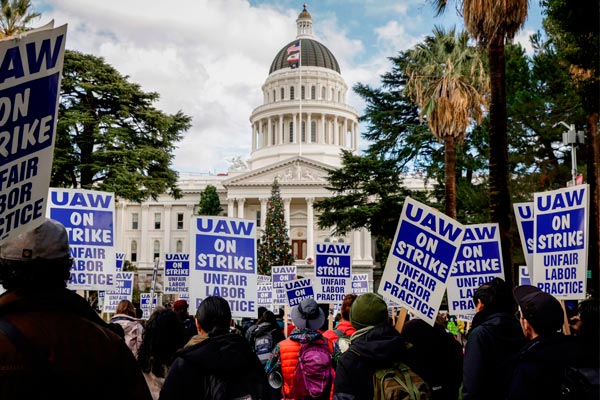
(209, 58)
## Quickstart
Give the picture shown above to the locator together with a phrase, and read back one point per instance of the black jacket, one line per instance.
(379, 347)
(219, 368)
(540, 367)
(492, 345)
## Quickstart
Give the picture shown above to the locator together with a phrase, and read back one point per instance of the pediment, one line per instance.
(294, 171)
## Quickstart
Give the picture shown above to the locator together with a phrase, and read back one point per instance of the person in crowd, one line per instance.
(375, 344)
(266, 325)
(493, 342)
(586, 326)
(436, 356)
(221, 366)
(542, 361)
(52, 343)
(187, 322)
(251, 325)
(344, 328)
(307, 318)
(125, 316)
(162, 338)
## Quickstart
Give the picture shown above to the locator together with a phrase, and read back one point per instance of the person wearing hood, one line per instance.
(374, 345)
(221, 365)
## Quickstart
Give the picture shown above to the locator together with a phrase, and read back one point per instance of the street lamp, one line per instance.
(571, 137)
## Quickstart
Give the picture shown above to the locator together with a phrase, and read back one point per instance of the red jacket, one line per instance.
(344, 326)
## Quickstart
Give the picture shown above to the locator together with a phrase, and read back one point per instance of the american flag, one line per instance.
(294, 47)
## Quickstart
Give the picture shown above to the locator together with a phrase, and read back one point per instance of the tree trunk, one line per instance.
(593, 178)
(500, 207)
(450, 161)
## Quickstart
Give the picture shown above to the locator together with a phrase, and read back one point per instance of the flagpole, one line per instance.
(300, 71)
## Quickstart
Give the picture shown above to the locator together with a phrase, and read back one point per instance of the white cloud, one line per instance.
(523, 39)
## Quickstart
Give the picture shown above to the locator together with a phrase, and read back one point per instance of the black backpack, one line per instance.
(263, 343)
(580, 384)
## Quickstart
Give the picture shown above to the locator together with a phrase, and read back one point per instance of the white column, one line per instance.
(366, 244)
(240, 202)
(143, 249)
(336, 132)
(120, 217)
(344, 144)
(286, 213)
(280, 135)
(308, 130)
(296, 130)
(321, 138)
(263, 212)
(270, 132)
(253, 136)
(310, 223)
(356, 244)
(166, 248)
(231, 208)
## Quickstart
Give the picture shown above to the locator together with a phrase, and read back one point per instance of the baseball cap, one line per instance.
(542, 310)
(49, 241)
(180, 305)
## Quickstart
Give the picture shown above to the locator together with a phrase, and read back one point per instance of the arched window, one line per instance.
(292, 132)
(274, 95)
(332, 94)
(313, 131)
(313, 92)
(179, 246)
(282, 93)
(272, 135)
(133, 251)
(302, 91)
(339, 96)
(323, 93)
(303, 136)
(156, 253)
(291, 93)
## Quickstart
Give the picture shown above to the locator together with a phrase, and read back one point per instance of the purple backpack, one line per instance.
(314, 374)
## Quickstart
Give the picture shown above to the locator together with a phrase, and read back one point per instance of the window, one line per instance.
(258, 221)
(156, 253)
(323, 93)
(302, 96)
(156, 220)
(313, 92)
(282, 93)
(179, 220)
(133, 251)
(292, 132)
(332, 94)
(272, 135)
(135, 221)
(179, 246)
(274, 95)
(291, 93)
(303, 132)
(313, 131)
(339, 97)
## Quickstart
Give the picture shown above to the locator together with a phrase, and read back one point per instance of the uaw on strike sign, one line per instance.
(224, 263)
(30, 71)
(424, 249)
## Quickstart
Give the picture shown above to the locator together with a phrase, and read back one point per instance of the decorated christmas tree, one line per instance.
(274, 247)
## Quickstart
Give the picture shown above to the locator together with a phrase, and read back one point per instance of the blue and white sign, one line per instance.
(423, 251)
(333, 272)
(89, 218)
(265, 295)
(478, 262)
(30, 75)
(263, 279)
(360, 284)
(524, 220)
(280, 275)
(524, 277)
(120, 257)
(298, 290)
(145, 304)
(177, 273)
(224, 263)
(561, 242)
(123, 291)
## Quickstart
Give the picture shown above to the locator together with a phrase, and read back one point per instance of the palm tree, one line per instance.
(447, 80)
(491, 23)
(15, 17)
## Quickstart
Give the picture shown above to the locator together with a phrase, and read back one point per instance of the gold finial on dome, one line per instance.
(304, 23)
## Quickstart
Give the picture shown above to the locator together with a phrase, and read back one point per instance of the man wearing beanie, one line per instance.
(542, 361)
(374, 345)
(52, 343)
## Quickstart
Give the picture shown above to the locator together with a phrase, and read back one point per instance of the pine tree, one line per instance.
(274, 247)
(209, 202)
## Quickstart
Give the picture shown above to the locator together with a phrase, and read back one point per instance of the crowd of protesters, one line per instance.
(54, 345)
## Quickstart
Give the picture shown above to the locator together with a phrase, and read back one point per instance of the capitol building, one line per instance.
(296, 136)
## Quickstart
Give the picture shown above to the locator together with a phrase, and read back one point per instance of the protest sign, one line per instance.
(298, 290)
(263, 279)
(524, 220)
(224, 263)
(280, 275)
(120, 257)
(122, 291)
(265, 295)
(177, 273)
(89, 218)
(333, 272)
(561, 242)
(423, 251)
(524, 277)
(30, 75)
(478, 262)
(360, 283)
(145, 304)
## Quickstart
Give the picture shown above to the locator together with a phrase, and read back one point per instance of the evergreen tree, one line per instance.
(210, 204)
(274, 247)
